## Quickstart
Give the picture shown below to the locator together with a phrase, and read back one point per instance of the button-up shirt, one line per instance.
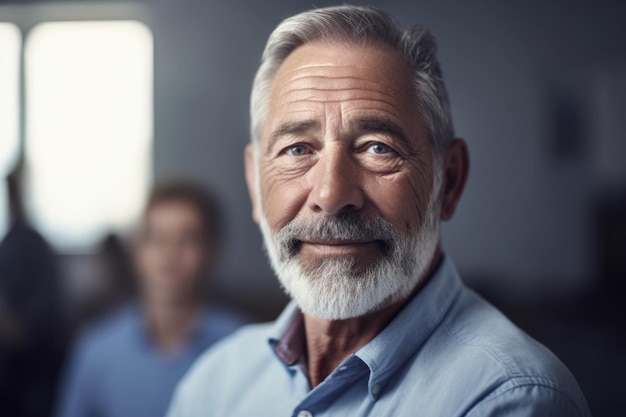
(447, 353)
(116, 369)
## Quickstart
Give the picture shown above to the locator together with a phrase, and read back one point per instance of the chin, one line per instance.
(339, 289)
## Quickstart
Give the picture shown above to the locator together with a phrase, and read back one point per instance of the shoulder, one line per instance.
(106, 336)
(529, 397)
(475, 326)
(95, 349)
(244, 347)
(227, 365)
(511, 363)
(220, 321)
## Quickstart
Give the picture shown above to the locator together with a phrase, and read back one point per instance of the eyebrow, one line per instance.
(297, 128)
(363, 124)
(382, 125)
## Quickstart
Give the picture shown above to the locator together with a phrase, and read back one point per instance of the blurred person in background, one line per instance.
(129, 363)
(352, 168)
(32, 336)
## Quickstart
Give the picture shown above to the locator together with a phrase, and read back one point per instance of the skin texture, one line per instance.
(171, 255)
(343, 134)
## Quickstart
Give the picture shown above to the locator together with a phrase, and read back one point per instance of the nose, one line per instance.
(335, 183)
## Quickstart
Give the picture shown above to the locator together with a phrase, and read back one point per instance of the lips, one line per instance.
(332, 248)
(336, 242)
(351, 234)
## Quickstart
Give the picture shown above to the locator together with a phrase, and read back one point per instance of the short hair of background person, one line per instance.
(352, 167)
(200, 196)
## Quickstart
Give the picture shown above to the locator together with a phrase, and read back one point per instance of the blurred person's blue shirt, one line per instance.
(117, 371)
(448, 353)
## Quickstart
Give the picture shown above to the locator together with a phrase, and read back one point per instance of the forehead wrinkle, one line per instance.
(333, 79)
(335, 94)
(372, 108)
(331, 91)
(345, 83)
(305, 90)
(334, 91)
(367, 100)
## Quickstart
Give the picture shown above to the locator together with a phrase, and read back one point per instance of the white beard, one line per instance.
(338, 289)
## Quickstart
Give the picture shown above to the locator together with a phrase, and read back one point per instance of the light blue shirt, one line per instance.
(117, 371)
(447, 353)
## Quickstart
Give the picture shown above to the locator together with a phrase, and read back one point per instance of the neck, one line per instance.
(330, 342)
(171, 323)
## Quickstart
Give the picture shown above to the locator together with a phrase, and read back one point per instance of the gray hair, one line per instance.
(359, 25)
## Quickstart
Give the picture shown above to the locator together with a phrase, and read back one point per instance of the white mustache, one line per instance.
(346, 227)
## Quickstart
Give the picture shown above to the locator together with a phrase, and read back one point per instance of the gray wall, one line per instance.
(524, 221)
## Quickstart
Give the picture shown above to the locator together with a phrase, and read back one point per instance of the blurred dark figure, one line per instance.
(610, 228)
(130, 362)
(117, 284)
(31, 337)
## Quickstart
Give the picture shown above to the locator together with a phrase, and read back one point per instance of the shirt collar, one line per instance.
(287, 337)
(406, 333)
(392, 347)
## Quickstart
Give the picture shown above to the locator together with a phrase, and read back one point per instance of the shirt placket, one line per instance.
(318, 400)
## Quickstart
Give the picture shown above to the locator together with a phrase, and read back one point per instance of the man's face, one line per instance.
(172, 252)
(347, 204)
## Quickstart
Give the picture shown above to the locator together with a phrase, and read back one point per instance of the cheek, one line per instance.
(282, 197)
(192, 258)
(148, 263)
(402, 198)
(147, 259)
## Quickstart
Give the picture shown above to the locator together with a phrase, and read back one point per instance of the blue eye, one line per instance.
(380, 148)
(296, 150)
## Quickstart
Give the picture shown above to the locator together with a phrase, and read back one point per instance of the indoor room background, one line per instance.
(159, 89)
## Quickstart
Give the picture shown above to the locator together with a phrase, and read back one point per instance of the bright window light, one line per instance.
(10, 45)
(88, 128)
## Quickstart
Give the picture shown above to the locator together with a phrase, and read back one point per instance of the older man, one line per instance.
(352, 166)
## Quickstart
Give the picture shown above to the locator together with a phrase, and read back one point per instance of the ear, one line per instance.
(251, 180)
(455, 173)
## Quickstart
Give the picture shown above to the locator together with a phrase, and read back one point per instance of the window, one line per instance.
(88, 131)
(10, 49)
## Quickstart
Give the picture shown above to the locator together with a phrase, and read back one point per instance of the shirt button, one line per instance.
(305, 413)
(376, 389)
